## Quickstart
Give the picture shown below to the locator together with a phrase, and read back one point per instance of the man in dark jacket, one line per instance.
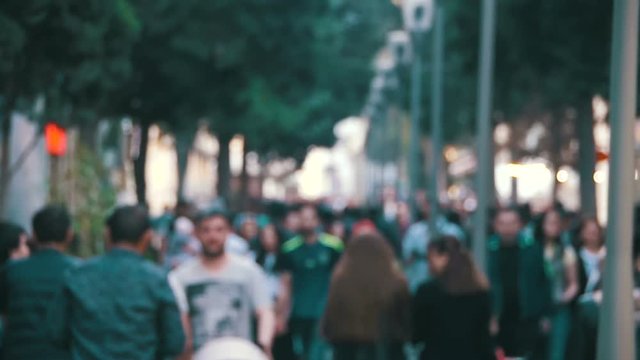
(118, 306)
(27, 286)
(520, 289)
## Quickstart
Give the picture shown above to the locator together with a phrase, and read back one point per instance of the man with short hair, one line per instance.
(306, 263)
(219, 293)
(119, 305)
(27, 286)
(520, 289)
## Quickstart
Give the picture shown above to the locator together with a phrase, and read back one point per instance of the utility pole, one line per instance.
(616, 328)
(436, 118)
(416, 94)
(484, 127)
(417, 17)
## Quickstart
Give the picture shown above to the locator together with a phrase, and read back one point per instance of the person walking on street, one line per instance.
(13, 243)
(13, 246)
(220, 293)
(306, 263)
(27, 286)
(267, 256)
(119, 305)
(416, 241)
(368, 308)
(520, 289)
(452, 311)
(561, 268)
(591, 253)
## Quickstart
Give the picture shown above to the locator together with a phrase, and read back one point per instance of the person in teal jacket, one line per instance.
(520, 289)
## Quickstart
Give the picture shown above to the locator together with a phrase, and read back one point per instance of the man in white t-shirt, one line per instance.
(219, 293)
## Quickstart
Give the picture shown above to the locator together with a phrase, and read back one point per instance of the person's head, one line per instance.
(212, 229)
(453, 265)
(337, 228)
(508, 224)
(248, 227)
(292, 219)
(309, 220)
(590, 234)
(13, 242)
(52, 225)
(423, 207)
(404, 214)
(550, 226)
(269, 239)
(130, 225)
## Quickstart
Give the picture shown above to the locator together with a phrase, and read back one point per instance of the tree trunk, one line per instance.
(184, 143)
(556, 138)
(224, 169)
(587, 160)
(139, 164)
(89, 133)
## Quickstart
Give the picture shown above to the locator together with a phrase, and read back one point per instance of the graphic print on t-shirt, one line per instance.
(218, 309)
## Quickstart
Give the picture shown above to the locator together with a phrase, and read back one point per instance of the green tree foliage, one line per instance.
(72, 52)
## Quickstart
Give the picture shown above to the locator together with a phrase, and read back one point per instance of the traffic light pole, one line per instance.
(483, 128)
(616, 329)
(436, 118)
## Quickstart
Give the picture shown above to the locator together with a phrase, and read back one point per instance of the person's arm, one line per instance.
(171, 333)
(283, 303)
(266, 328)
(183, 307)
(284, 267)
(263, 305)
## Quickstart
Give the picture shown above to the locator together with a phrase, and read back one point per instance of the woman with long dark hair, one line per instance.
(452, 311)
(561, 268)
(591, 251)
(367, 313)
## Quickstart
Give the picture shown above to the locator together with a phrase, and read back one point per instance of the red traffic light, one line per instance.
(601, 156)
(56, 139)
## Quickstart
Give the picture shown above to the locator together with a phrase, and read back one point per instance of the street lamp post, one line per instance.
(616, 330)
(417, 16)
(484, 139)
(436, 118)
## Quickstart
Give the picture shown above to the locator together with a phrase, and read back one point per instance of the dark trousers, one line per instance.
(351, 350)
(307, 342)
(283, 347)
(519, 338)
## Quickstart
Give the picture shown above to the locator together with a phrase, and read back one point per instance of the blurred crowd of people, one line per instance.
(304, 282)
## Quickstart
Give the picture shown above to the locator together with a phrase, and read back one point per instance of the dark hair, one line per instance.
(9, 240)
(461, 275)
(210, 214)
(51, 224)
(128, 223)
(538, 231)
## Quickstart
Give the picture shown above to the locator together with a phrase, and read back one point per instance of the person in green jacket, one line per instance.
(520, 289)
(27, 285)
